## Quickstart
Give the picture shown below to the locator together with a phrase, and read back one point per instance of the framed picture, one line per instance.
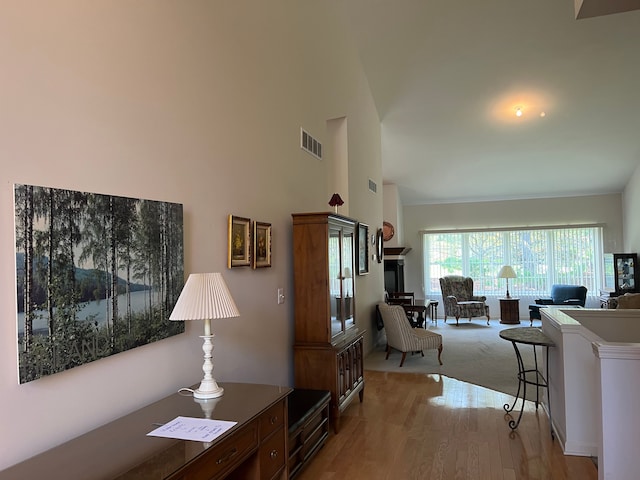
(261, 245)
(379, 244)
(239, 242)
(70, 275)
(624, 265)
(363, 249)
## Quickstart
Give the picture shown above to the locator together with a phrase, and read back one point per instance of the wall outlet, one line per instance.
(280, 296)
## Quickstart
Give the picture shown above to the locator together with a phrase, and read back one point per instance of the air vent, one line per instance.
(310, 144)
(372, 186)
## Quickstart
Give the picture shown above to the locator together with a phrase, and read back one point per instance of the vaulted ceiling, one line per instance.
(447, 77)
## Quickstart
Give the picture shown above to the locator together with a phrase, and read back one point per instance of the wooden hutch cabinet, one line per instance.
(328, 349)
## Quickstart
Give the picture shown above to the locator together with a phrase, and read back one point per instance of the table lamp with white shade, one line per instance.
(205, 296)
(347, 276)
(507, 272)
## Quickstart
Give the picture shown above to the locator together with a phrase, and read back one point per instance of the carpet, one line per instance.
(472, 352)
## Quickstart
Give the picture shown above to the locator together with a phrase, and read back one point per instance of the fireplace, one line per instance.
(394, 268)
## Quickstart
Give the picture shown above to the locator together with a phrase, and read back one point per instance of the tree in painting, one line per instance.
(96, 275)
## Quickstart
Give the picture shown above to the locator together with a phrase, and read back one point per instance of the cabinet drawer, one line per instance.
(315, 432)
(272, 455)
(271, 420)
(224, 457)
(304, 445)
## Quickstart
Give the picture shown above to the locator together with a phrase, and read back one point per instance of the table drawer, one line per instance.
(271, 420)
(226, 456)
(272, 455)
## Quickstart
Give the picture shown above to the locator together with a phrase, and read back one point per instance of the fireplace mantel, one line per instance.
(396, 250)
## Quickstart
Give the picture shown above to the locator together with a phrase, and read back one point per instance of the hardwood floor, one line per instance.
(419, 426)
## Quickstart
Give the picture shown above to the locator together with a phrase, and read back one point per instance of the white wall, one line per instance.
(604, 209)
(392, 211)
(631, 206)
(198, 103)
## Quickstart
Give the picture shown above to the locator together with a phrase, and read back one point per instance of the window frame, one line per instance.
(535, 276)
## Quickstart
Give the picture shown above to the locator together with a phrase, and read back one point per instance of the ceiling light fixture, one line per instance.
(518, 112)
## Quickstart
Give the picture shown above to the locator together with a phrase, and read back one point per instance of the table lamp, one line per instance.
(507, 272)
(347, 276)
(336, 201)
(205, 296)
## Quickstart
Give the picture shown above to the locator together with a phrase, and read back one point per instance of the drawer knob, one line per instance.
(274, 420)
(273, 454)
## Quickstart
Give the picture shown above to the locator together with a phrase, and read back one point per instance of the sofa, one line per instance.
(629, 300)
(560, 295)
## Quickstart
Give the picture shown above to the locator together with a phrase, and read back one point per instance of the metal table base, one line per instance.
(529, 376)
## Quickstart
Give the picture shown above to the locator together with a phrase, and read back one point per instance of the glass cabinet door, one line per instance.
(335, 280)
(341, 281)
(348, 265)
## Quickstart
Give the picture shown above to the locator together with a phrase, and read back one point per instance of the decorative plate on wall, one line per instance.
(388, 231)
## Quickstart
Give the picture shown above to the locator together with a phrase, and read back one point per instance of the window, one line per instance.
(540, 258)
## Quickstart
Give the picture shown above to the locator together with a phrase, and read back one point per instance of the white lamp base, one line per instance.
(208, 387)
(212, 393)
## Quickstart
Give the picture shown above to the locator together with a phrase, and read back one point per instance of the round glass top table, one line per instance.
(529, 376)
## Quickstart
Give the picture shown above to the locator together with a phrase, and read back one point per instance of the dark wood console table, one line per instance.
(253, 449)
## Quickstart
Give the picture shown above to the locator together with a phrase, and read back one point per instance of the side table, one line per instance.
(410, 310)
(608, 301)
(535, 337)
(433, 311)
(510, 310)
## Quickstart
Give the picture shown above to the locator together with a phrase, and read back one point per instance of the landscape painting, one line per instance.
(96, 275)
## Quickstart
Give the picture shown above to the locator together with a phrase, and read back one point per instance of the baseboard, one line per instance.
(578, 449)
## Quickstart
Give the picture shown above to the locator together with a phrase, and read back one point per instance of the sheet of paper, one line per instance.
(197, 429)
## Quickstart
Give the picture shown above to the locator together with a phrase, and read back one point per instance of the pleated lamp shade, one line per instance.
(205, 296)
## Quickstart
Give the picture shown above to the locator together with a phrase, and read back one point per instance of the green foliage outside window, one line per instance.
(540, 258)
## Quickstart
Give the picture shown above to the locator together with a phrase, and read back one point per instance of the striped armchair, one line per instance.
(402, 337)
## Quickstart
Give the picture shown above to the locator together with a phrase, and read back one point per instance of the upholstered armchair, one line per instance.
(459, 300)
(560, 295)
(401, 336)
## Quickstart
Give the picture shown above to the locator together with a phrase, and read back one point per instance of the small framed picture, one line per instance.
(379, 245)
(239, 242)
(363, 249)
(261, 245)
